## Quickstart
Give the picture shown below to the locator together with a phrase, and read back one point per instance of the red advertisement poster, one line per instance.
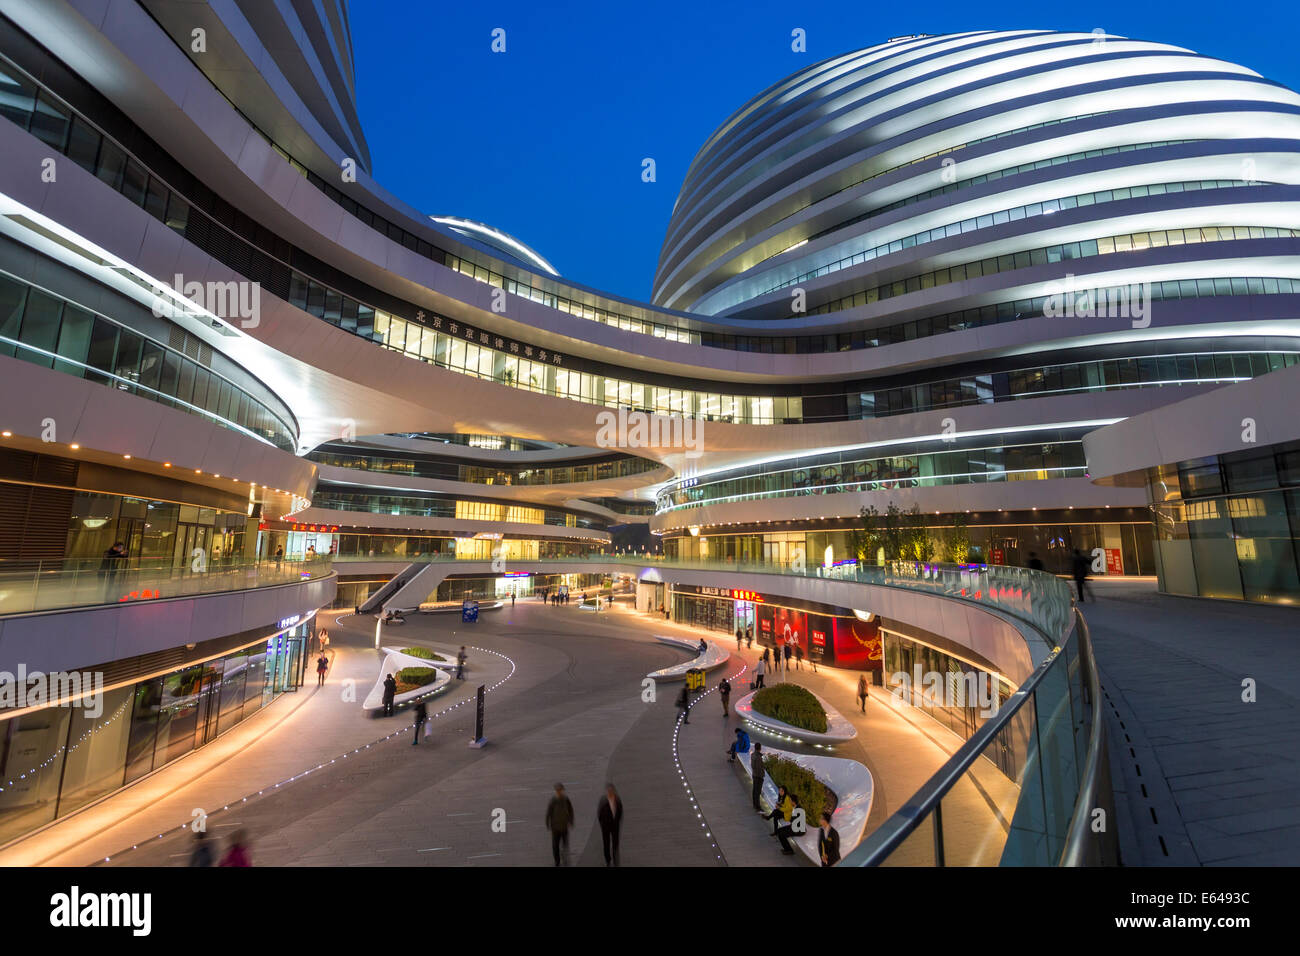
(790, 627)
(1114, 561)
(820, 636)
(857, 644)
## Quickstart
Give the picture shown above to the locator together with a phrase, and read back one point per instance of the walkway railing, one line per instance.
(54, 585)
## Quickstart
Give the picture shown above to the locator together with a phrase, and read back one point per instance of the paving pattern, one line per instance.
(1201, 776)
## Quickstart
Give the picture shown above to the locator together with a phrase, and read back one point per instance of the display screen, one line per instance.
(857, 644)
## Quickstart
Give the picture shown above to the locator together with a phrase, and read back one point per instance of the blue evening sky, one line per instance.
(546, 140)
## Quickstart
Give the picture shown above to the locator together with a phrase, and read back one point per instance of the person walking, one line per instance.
(828, 841)
(760, 671)
(201, 855)
(461, 657)
(609, 814)
(390, 692)
(237, 853)
(1081, 568)
(785, 666)
(684, 704)
(559, 818)
(512, 598)
(279, 556)
(798, 657)
(322, 665)
(740, 637)
(1035, 562)
(758, 772)
(724, 692)
(863, 692)
(421, 715)
(749, 636)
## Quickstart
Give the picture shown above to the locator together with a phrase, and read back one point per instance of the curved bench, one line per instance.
(852, 784)
(714, 656)
(395, 661)
(838, 728)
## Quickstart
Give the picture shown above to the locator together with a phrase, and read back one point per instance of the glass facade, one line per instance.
(434, 506)
(156, 534)
(59, 759)
(1229, 526)
(1003, 216)
(1052, 455)
(53, 333)
(483, 474)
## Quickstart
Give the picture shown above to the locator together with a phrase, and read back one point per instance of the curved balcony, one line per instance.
(30, 586)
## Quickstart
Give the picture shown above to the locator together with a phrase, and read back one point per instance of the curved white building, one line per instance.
(911, 277)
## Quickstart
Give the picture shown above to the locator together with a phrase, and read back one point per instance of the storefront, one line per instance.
(826, 634)
(63, 757)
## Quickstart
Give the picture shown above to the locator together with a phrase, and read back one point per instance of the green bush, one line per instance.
(814, 796)
(423, 652)
(793, 705)
(409, 678)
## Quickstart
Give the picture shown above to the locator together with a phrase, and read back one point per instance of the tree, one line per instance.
(892, 534)
(957, 542)
(917, 545)
(864, 539)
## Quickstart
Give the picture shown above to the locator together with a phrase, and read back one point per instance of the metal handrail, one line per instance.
(1077, 839)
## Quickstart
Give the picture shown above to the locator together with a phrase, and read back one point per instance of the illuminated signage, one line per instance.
(747, 596)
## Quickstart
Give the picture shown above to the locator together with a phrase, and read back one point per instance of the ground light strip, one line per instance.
(677, 762)
(322, 766)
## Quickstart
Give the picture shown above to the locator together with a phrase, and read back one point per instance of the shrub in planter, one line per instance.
(793, 705)
(423, 652)
(409, 678)
(814, 796)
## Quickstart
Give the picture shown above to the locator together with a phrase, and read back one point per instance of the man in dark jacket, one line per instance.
(756, 768)
(1081, 568)
(390, 692)
(421, 715)
(684, 704)
(828, 842)
(559, 817)
(609, 814)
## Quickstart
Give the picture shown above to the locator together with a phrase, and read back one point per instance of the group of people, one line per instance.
(560, 819)
(237, 853)
(783, 810)
(556, 597)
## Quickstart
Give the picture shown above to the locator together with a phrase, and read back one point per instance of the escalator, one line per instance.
(395, 584)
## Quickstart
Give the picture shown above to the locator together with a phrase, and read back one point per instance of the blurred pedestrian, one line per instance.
(760, 671)
(724, 692)
(863, 692)
(609, 814)
(322, 665)
(1081, 568)
(559, 818)
(201, 855)
(798, 657)
(757, 770)
(421, 715)
(237, 853)
(461, 657)
(390, 693)
(684, 704)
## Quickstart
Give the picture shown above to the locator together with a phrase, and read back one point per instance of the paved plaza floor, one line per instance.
(1201, 775)
(314, 782)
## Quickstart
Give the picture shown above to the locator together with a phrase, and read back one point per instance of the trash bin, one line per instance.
(695, 679)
